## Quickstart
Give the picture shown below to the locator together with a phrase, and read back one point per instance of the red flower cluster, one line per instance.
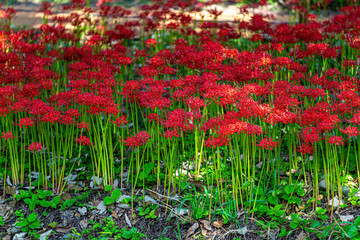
(138, 140)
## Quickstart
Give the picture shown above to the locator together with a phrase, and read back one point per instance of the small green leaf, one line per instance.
(22, 224)
(301, 192)
(350, 230)
(283, 232)
(35, 224)
(56, 200)
(326, 231)
(108, 200)
(53, 224)
(108, 188)
(116, 194)
(315, 224)
(357, 222)
(45, 203)
(32, 205)
(25, 229)
(293, 225)
(32, 217)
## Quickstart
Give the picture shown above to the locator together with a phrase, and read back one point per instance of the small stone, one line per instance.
(124, 206)
(346, 191)
(8, 181)
(335, 202)
(301, 236)
(71, 178)
(6, 212)
(174, 198)
(122, 197)
(45, 235)
(14, 230)
(346, 218)
(127, 220)
(150, 199)
(322, 184)
(95, 181)
(180, 172)
(179, 211)
(116, 183)
(7, 237)
(84, 223)
(243, 230)
(82, 211)
(101, 207)
(189, 165)
(19, 236)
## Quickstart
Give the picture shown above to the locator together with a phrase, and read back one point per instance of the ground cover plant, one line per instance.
(165, 126)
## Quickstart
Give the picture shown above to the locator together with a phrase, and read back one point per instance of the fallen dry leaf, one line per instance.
(127, 220)
(203, 231)
(207, 224)
(11, 190)
(218, 224)
(302, 236)
(65, 196)
(192, 230)
(63, 229)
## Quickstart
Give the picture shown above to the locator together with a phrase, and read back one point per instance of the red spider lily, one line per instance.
(171, 133)
(120, 121)
(213, 142)
(310, 135)
(237, 127)
(150, 42)
(154, 117)
(350, 131)
(267, 143)
(195, 103)
(7, 135)
(83, 140)
(178, 120)
(35, 146)
(26, 122)
(137, 140)
(254, 130)
(46, 8)
(83, 125)
(335, 140)
(215, 12)
(306, 149)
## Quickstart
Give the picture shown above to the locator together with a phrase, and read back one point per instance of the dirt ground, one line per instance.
(28, 15)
